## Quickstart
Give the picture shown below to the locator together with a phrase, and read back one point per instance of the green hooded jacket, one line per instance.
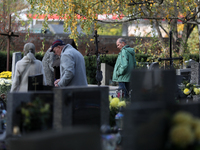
(125, 63)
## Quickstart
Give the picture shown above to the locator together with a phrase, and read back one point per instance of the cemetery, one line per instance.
(159, 114)
(162, 109)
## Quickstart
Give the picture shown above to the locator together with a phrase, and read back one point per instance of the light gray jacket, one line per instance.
(72, 68)
(25, 67)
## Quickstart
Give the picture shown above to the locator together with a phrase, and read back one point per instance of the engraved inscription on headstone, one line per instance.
(35, 82)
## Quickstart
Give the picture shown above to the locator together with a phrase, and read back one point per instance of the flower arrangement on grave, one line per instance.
(189, 89)
(36, 115)
(115, 105)
(5, 83)
(184, 132)
(6, 74)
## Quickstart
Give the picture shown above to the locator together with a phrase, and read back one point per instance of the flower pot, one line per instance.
(196, 98)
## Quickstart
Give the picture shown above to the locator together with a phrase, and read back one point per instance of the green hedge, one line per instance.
(90, 62)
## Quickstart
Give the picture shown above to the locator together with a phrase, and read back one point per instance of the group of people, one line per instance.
(72, 66)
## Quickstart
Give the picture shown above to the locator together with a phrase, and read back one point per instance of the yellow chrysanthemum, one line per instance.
(114, 102)
(186, 91)
(181, 135)
(122, 104)
(196, 90)
(183, 117)
(110, 98)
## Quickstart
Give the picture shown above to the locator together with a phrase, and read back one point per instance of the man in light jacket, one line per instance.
(72, 65)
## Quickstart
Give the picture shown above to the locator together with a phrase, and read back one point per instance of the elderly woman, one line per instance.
(27, 66)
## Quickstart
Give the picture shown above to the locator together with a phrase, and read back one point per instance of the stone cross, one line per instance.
(170, 50)
(9, 34)
(99, 75)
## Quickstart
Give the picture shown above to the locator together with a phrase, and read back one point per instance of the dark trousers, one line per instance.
(125, 87)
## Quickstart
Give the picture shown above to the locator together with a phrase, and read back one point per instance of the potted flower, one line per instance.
(5, 83)
(184, 133)
(190, 90)
(115, 105)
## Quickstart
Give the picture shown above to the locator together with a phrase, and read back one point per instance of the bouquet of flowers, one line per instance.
(5, 83)
(189, 89)
(6, 74)
(115, 105)
(36, 115)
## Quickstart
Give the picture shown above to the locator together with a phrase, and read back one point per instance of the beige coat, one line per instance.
(23, 70)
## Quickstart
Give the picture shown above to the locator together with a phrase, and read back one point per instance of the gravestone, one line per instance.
(146, 119)
(76, 138)
(35, 82)
(107, 72)
(15, 99)
(153, 85)
(195, 73)
(185, 73)
(47, 63)
(74, 106)
(16, 57)
(179, 93)
(154, 65)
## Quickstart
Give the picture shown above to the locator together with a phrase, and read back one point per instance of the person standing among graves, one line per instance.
(25, 67)
(124, 64)
(47, 63)
(72, 65)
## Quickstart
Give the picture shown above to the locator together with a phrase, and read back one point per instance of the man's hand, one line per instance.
(56, 82)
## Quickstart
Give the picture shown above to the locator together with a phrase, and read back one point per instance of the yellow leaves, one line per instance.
(167, 16)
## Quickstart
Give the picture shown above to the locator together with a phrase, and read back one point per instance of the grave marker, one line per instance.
(9, 34)
(153, 85)
(76, 138)
(35, 82)
(195, 73)
(15, 99)
(107, 71)
(15, 58)
(146, 119)
(75, 106)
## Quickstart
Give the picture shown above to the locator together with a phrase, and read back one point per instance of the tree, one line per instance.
(85, 13)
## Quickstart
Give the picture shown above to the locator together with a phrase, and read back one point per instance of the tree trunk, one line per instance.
(198, 20)
(187, 30)
(160, 35)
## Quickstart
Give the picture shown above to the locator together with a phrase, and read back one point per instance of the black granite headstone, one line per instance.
(67, 139)
(146, 119)
(35, 82)
(15, 101)
(74, 106)
(153, 85)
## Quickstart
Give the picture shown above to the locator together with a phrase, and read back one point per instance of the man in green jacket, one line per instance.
(125, 63)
